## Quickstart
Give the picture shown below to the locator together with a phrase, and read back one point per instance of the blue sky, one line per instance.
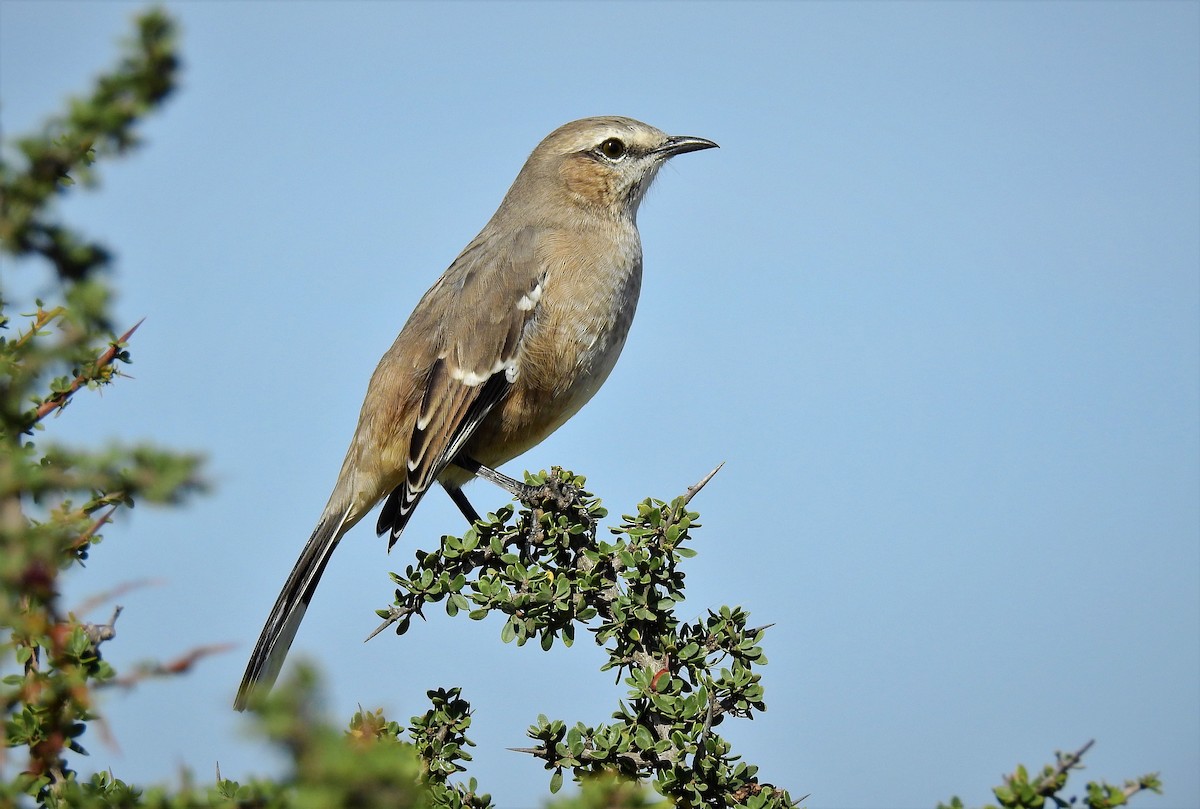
(935, 302)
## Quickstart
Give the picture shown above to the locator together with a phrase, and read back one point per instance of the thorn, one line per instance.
(125, 337)
(391, 619)
(692, 491)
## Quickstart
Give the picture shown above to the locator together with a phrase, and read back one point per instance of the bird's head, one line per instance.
(604, 164)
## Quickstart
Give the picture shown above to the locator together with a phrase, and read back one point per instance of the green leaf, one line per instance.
(643, 738)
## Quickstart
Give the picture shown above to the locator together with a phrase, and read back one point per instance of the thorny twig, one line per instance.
(58, 400)
(179, 665)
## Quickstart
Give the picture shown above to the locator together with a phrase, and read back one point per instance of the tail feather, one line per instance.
(396, 511)
(285, 617)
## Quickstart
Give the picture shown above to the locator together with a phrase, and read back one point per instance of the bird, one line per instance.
(511, 341)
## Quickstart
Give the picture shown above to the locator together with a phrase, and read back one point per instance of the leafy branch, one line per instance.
(1020, 791)
(548, 573)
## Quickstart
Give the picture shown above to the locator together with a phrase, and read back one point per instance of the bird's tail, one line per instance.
(285, 617)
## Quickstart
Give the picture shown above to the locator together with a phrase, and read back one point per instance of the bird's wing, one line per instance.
(483, 305)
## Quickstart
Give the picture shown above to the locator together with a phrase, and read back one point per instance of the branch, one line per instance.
(179, 665)
(1049, 783)
(108, 595)
(98, 633)
(1065, 763)
(547, 572)
(394, 614)
(58, 400)
(41, 320)
(1150, 782)
(636, 760)
(87, 535)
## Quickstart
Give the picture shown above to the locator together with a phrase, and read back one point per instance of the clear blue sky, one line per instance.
(935, 301)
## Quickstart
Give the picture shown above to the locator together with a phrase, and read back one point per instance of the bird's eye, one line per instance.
(613, 148)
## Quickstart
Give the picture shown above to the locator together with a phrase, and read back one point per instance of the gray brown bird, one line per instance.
(508, 344)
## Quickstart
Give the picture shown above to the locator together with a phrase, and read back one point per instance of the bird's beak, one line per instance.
(681, 144)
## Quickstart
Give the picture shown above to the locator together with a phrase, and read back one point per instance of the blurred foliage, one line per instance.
(542, 568)
(55, 499)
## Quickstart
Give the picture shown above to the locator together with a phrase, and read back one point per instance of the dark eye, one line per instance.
(613, 148)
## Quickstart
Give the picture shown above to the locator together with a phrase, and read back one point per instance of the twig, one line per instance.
(98, 633)
(87, 535)
(172, 667)
(1069, 762)
(694, 490)
(1145, 782)
(116, 592)
(394, 614)
(59, 400)
(634, 759)
(41, 319)
(1048, 784)
(106, 734)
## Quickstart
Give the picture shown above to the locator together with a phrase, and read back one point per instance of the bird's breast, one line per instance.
(587, 309)
(583, 317)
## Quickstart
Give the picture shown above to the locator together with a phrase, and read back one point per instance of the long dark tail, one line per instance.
(285, 617)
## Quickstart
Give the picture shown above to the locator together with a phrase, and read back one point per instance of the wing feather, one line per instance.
(488, 307)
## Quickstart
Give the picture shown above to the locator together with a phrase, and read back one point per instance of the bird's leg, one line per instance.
(464, 505)
(468, 510)
(519, 490)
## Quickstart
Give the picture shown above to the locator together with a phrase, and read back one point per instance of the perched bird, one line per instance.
(508, 344)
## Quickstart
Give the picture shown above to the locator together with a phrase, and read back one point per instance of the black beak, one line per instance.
(681, 144)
